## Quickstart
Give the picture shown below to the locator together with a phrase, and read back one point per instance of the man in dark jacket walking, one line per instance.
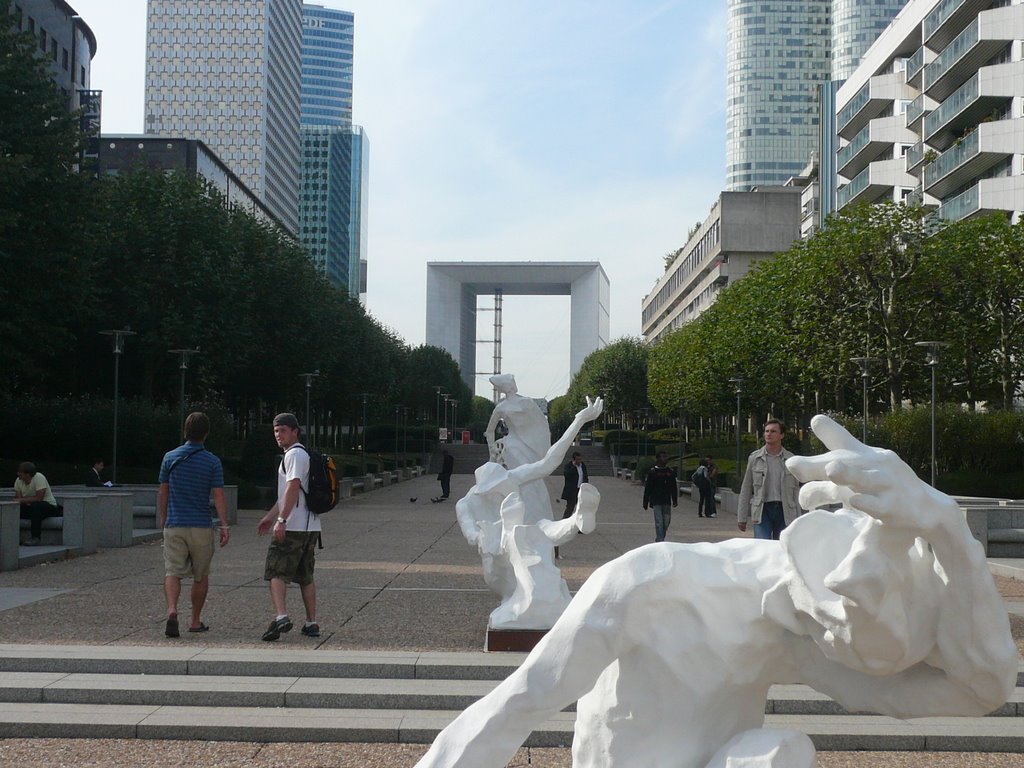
(445, 475)
(575, 474)
(660, 491)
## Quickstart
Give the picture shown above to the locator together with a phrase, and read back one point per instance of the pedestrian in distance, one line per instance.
(661, 493)
(189, 475)
(445, 475)
(769, 493)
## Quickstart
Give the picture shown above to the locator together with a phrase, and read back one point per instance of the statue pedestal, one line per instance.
(521, 640)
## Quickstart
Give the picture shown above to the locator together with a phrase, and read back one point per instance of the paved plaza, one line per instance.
(395, 574)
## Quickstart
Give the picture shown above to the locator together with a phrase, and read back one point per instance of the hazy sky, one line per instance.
(526, 131)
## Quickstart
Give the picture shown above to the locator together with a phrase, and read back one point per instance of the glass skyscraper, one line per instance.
(856, 24)
(778, 57)
(228, 74)
(332, 200)
(327, 37)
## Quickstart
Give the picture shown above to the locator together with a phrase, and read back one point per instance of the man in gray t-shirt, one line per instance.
(768, 496)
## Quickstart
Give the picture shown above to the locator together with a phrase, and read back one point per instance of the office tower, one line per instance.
(332, 211)
(327, 49)
(934, 113)
(856, 24)
(777, 56)
(228, 73)
(332, 205)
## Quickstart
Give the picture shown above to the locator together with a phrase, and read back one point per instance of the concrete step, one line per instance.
(186, 660)
(325, 692)
(288, 724)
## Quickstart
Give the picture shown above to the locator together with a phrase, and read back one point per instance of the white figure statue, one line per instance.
(529, 435)
(886, 605)
(540, 594)
(479, 514)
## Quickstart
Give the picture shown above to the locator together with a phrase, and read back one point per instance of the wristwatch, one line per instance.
(282, 520)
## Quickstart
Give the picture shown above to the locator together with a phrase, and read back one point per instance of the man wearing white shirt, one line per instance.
(294, 533)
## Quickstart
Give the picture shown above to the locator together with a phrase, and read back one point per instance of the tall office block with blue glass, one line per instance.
(332, 199)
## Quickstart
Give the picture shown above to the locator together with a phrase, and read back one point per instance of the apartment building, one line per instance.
(934, 114)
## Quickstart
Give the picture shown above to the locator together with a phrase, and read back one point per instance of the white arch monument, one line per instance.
(453, 287)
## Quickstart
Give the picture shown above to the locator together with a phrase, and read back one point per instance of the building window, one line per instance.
(53, 48)
(42, 40)
(82, 78)
(31, 25)
(65, 59)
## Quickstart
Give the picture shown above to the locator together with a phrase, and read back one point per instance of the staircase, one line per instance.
(223, 694)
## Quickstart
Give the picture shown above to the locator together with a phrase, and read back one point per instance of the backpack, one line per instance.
(322, 494)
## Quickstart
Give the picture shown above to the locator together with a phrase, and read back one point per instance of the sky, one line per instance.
(577, 130)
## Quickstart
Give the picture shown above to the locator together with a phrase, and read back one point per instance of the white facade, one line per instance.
(742, 229)
(935, 112)
(453, 288)
(228, 74)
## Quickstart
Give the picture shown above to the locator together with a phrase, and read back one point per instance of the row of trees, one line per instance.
(874, 283)
(160, 253)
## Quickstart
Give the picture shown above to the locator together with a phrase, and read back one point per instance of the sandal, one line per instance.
(201, 628)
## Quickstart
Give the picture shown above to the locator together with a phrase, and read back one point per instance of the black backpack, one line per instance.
(322, 494)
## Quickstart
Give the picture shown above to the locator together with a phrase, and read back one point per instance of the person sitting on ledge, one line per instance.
(32, 490)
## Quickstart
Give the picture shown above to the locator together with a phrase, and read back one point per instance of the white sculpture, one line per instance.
(516, 548)
(529, 436)
(886, 605)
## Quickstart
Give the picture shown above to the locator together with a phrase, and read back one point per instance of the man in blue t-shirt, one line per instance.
(188, 475)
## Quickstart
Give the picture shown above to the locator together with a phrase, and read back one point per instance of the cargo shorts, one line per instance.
(292, 559)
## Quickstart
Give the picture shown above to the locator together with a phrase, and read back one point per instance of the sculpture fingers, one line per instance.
(860, 478)
(809, 468)
(818, 493)
(834, 435)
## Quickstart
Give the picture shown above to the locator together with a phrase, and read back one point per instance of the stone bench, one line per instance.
(998, 524)
(76, 529)
(10, 532)
(113, 516)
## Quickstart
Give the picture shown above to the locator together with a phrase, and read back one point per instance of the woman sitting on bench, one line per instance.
(37, 502)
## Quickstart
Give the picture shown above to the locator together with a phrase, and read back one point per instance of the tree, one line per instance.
(47, 288)
(618, 373)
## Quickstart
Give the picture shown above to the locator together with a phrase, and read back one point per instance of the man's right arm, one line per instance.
(746, 491)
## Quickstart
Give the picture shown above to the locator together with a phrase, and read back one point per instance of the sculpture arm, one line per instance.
(467, 520)
(556, 452)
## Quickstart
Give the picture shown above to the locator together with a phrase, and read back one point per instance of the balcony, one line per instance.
(985, 197)
(946, 20)
(916, 65)
(917, 109)
(877, 137)
(977, 44)
(983, 148)
(987, 91)
(870, 101)
(876, 181)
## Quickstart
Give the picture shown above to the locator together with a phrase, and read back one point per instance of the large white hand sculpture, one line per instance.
(886, 605)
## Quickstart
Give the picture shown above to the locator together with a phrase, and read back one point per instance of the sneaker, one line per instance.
(33, 542)
(713, 514)
(277, 626)
(311, 630)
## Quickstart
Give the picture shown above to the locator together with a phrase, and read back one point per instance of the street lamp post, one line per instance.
(932, 361)
(437, 409)
(405, 436)
(446, 397)
(118, 349)
(737, 382)
(865, 364)
(183, 366)
(397, 409)
(455, 418)
(682, 438)
(362, 445)
(309, 383)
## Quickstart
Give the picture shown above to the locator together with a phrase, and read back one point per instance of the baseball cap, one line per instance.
(286, 420)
